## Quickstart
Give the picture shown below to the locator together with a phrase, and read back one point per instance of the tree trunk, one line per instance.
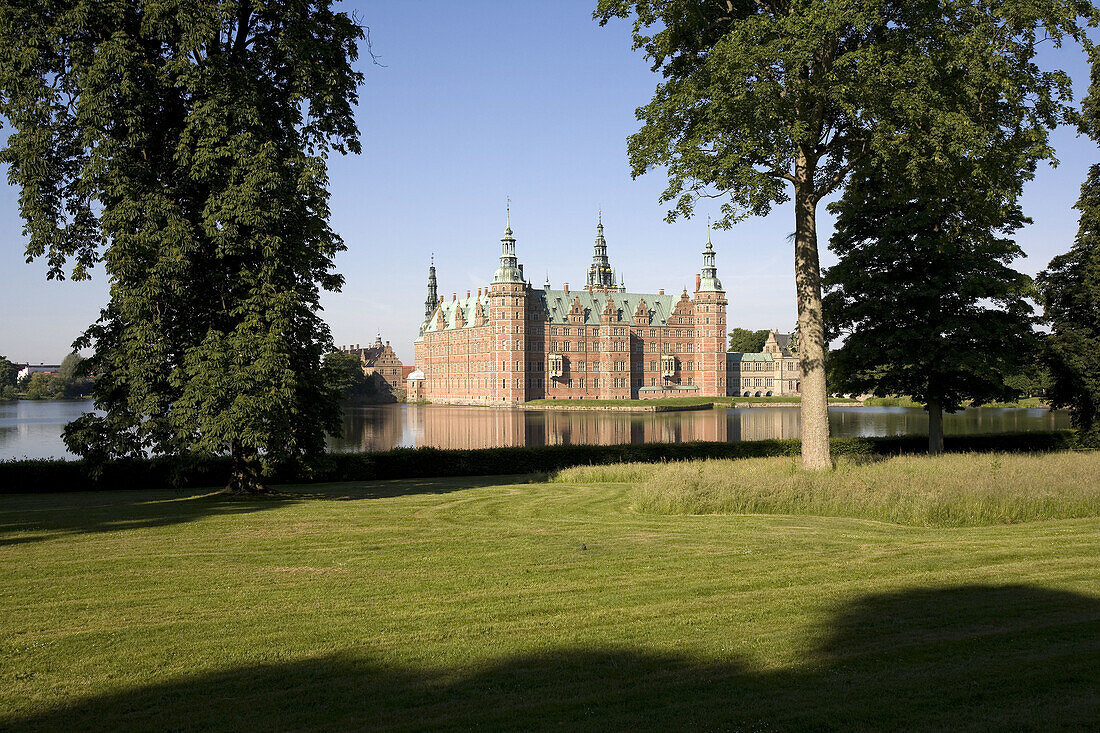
(935, 427)
(811, 340)
(244, 471)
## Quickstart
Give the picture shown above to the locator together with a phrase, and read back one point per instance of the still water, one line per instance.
(33, 429)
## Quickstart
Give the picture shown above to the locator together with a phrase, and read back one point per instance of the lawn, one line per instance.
(513, 602)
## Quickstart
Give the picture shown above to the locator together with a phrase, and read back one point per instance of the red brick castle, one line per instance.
(512, 342)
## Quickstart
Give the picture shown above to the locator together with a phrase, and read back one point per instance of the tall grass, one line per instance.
(960, 490)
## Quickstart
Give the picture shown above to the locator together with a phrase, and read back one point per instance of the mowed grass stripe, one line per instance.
(460, 603)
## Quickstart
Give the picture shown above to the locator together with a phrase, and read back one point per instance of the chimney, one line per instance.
(467, 295)
(698, 282)
(454, 296)
(567, 287)
(479, 292)
(661, 291)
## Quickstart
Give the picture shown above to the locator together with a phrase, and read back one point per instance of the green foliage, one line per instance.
(746, 341)
(1070, 289)
(43, 387)
(186, 150)
(757, 95)
(344, 374)
(923, 291)
(9, 372)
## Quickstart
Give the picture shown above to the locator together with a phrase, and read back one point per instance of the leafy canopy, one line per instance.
(757, 94)
(746, 341)
(924, 293)
(184, 147)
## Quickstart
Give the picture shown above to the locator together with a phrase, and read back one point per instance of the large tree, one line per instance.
(184, 146)
(763, 100)
(1070, 289)
(924, 293)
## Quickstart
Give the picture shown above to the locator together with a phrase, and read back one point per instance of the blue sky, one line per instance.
(485, 99)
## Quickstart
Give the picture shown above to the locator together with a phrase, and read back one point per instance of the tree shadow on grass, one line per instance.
(967, 658)
(36, 517)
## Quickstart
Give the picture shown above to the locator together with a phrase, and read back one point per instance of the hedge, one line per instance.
(46, 476)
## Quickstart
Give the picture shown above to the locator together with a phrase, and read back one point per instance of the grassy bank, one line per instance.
(1026, 402)
(951, 491)
(500, 604)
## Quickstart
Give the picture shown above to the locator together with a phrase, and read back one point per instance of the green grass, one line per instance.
(500, 604)
(962, 490)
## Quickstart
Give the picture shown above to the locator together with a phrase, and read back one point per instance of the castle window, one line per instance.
(555, 365)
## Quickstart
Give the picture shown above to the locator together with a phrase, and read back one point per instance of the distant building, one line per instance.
(382, 367)
(771, 372)
(512, 342)
(50, 369)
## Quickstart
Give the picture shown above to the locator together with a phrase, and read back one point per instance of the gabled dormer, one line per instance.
(610, 312)
(480, 318)
(576, 312)
(683, 311)
(642, 316)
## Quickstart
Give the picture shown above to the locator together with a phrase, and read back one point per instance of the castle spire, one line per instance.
(709, 282)
(600, 274)
(433, 294)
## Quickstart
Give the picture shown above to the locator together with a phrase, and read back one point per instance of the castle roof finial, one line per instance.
(508, 213)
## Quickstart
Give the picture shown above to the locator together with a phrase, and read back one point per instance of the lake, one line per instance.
(32, 429)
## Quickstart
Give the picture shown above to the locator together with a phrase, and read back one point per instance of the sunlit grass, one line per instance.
(505, 603)
(955, 490)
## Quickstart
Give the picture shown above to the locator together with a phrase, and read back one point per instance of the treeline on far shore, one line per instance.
(70, 382)
(190, 472)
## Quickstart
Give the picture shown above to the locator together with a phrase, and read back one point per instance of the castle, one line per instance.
(512, 342)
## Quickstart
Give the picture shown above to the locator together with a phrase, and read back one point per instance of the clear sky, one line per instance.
(485, 99)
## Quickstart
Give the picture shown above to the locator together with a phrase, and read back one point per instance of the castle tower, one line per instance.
(600, 274)
(710, 328)
(508, 314)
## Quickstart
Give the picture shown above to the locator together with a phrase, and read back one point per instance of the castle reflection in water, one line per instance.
(382, 427)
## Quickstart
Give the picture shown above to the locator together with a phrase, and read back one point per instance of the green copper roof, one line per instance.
(450, 308)
(559, 303)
